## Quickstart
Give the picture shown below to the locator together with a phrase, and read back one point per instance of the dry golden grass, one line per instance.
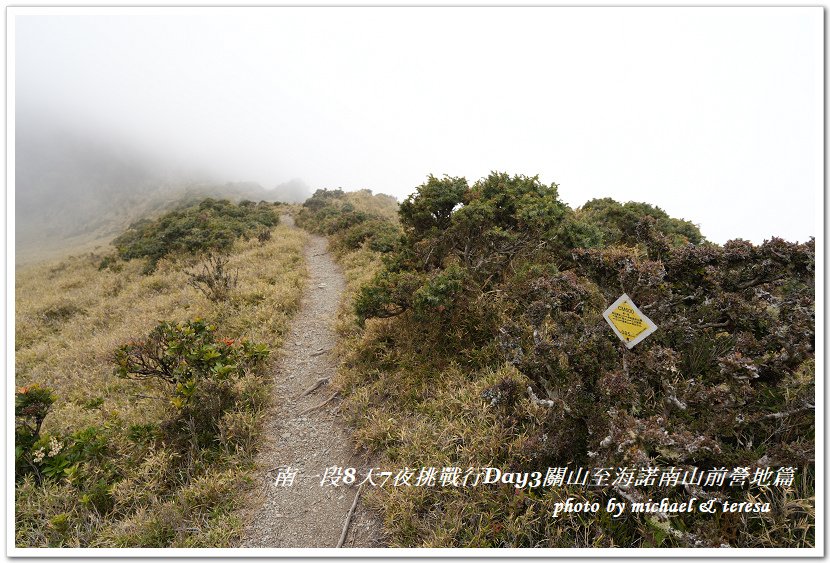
(382, 205)
(358, 267)
(71, 316)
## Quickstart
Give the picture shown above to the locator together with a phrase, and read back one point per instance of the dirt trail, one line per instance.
(306, 514)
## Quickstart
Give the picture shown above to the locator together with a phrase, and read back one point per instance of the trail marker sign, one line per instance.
(628, 322)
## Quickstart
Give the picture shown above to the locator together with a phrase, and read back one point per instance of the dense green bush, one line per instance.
(493, 298)
(618, 222)
(200, 371)
(209, 226)
(352, 219)
(502, 223)
(323, 198)
(380, 235)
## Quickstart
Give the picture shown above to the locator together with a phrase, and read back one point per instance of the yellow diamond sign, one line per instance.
(628, 322)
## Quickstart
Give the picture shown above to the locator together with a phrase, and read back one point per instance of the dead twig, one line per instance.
(537, 401)
(349, 517)
(324, 403)
(139, 396)
(788, 413)
(549, 403)
(214, 281)
(317, 384)
(722, 324)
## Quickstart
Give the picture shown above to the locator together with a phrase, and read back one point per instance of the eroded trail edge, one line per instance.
(305, 514)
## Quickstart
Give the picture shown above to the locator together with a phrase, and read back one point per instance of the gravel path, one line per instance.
(306, 514)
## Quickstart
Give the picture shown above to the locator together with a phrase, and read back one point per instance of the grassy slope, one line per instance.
(70, 317)
(51, 234)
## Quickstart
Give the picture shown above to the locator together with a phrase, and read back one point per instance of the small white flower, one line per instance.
(54, 447)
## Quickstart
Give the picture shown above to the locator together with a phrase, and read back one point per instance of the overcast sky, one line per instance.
(715, 115)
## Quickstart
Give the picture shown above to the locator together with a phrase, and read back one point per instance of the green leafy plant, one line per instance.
(183, 354)
(199, 371)
(209, 226)
(353, 219)
(31, 405)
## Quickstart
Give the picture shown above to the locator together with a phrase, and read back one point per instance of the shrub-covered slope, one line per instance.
(208, 226)
(484, 345)
(352, 219)
(140, 395)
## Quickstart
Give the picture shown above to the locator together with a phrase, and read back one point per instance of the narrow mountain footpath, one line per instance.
(300, 438)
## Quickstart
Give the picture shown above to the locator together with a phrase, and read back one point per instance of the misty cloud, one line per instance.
(712, 114)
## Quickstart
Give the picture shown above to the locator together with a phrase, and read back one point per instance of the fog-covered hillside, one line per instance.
(73, 190)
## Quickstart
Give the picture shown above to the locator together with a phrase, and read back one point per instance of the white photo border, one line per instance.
(368, 553)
